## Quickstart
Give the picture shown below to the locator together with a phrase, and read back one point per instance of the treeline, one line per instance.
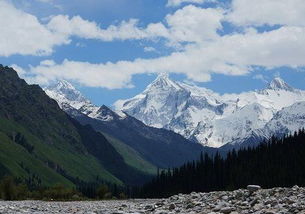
(279, 162)
(15, 189)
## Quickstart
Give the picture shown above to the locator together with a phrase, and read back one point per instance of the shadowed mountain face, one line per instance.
(160, 147)
(38, 138)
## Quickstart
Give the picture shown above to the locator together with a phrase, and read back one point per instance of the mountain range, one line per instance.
(154, 146)
(198, 114)
(214, 120)
(68, 139)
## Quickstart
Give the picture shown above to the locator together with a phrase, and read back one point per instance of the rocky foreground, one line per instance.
(250, 200)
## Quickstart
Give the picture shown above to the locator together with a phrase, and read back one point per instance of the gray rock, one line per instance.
(171, 207)
(227, 210)
(253, 188)
(271, 201)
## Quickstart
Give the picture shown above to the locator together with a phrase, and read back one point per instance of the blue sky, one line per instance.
(112, 50)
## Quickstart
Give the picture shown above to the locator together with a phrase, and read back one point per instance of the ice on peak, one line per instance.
(163, 81)
(64, 92)
(68, 97)
(279, 84)
(65, 83)
(204, 116)
(163, 75)
(61, 84)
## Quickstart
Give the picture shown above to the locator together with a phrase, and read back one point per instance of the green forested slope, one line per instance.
(132, 157)
(39, 142)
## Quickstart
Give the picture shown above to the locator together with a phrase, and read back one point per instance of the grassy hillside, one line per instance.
(132, 157)
(38, 140)
(47, 160)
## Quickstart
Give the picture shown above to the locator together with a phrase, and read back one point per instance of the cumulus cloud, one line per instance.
(175, 3)
(203, 50)
(22, 33)
(25, 34)
(270, 12)
(188, 24)
(194, 24)
(229, 55)
(77, 26)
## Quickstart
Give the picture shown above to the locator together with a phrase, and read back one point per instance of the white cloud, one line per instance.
(271, 12)
(150, 49)
(229, 55)
(22, 33)
(188, 24)
(261, 78)
(94, 75)
(194, 24)
(47, 63)
(203, 51)
(176, 3)
(77, 26)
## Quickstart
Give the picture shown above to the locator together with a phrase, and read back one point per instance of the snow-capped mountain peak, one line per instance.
(197, 113)
(70, 99)
(163, 82)
(279, 84)
(204, 116)
(63, 84)
(65, 92)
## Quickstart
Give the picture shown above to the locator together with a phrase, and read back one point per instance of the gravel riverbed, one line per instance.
(243, 201)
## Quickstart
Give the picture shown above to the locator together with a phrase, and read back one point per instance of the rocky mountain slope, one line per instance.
(211, 119)
(160, 147)
(41, 144)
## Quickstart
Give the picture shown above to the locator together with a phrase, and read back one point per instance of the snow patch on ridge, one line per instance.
(69, 98)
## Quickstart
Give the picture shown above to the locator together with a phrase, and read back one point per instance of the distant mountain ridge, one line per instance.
(206, 117)
(161, 147)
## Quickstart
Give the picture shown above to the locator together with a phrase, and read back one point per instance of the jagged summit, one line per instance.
(64, 92)
(9, 72)
(163, 81)
(204, 116)
(62, 86)
(69, 98)
(279, 84)
(197, 113)
(163, 75)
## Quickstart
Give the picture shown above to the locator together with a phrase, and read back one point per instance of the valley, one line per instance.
(152, 107)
